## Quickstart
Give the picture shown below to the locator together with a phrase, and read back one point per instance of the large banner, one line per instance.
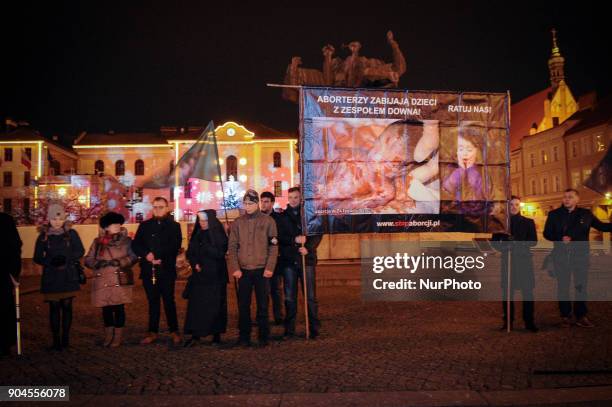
(377, 161)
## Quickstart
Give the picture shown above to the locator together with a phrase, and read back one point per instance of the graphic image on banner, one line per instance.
(379, 161)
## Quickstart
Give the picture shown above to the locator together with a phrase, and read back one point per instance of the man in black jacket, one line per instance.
(157, 243)
(267, 206)
(568, 227)
(518, 244)
(10, 259)
(290, 239)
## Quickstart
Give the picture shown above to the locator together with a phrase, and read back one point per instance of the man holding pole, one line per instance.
(252, 256)
(10, 258)
(267, 207)
(297, 261)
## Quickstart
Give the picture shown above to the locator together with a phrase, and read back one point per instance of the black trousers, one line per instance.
(528, 305)
(60, 311)
(275, 295)
(162, 289)
(292, 274)
(564, 278)
(114, 315)
(253, 279)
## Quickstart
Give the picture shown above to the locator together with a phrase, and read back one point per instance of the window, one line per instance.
(26, 178)
(8, 154)
(7, 203)
(231, 168)
(139, 167)
(586, 173)
(587, 145)
(556, 153)
(532, 160)
(545, 185)
(544, 156)
(99, 167)
(600, 145)
(7, 179)
(575, 179)
(187, 190)
(28, 152)
(534, 189)
(277, 159)
(574, 149)
(278, 188)
(26, 207)
(120, 168)
(557, 185)
(55, 167)
(555, 121)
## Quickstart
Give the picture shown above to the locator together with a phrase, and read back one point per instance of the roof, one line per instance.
(30, 134)
(89, 139)
(600, 114)
(524, 113)
(261, 131)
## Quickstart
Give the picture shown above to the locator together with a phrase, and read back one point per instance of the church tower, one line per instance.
(556, 64)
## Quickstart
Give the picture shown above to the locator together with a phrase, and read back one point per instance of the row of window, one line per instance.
(545, 158)
(231, 166)
(544, 187)
(8, 153)
(7, 179)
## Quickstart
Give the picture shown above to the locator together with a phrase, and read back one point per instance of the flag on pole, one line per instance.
(26, 158)
(600, 179)
(200, 161)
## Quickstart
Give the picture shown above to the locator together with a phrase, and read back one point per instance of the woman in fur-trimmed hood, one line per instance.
(110, 252)
(58, 250)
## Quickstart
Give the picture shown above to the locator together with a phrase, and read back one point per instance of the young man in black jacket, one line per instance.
(157, 243)
(290, 238)
(267, 206)
(518, 245)
(568, 227)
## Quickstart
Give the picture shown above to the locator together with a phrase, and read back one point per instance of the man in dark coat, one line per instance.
(157, 243)
(206, 289)
(290, 239)
(518, 244)
(568, 227)
(10, 259)
(267, 206)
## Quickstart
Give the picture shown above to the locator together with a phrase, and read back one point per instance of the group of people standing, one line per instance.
(251, 250)
(568, 228)
(265, 250)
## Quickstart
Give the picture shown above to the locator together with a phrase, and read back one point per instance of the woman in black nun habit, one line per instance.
(206, 289)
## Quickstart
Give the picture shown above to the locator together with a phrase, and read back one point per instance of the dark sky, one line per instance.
(131, 68)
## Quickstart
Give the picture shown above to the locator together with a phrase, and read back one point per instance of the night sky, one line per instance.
(82, 67)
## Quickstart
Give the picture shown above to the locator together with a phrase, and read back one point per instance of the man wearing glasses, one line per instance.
(157, 243)
(252, 255)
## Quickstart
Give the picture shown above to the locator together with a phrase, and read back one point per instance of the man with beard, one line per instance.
(157, 243)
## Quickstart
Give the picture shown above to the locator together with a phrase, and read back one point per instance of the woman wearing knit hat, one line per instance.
(58, 250)
(111, 256)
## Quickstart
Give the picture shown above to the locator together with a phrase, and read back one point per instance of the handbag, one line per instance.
(125, 275)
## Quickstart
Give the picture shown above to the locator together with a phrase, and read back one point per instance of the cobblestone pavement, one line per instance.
(363, 347)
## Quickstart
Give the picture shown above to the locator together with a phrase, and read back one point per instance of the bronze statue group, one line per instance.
(265, 250)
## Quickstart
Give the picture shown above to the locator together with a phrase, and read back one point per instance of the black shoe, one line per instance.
(216, 339)
(262, 343)
(313, 334)
(504, 327)
(55, 347)
(65, 341)
(278, 321)
(531, 328)
(243, 343)
(191, 342)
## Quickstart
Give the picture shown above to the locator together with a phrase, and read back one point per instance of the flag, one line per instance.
(200, 161)
(26, 160)
(600, 179)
